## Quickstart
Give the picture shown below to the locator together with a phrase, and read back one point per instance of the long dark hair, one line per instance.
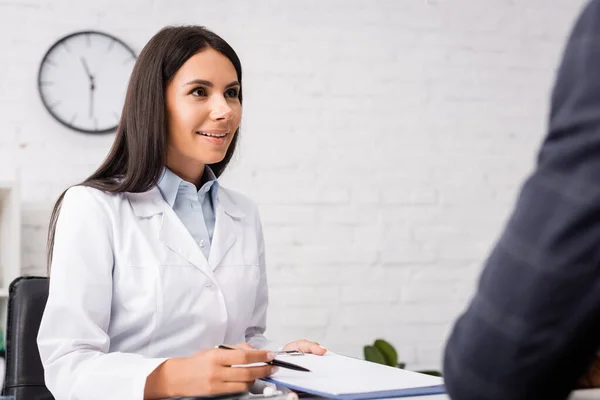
(137, 156)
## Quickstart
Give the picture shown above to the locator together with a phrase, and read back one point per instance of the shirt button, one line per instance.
(201, 243)
(209, 285)
(206, 189)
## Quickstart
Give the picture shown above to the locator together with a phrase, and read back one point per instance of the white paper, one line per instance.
(338, 375)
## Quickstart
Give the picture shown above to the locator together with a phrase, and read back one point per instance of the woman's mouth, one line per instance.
(212, 134)
(215, 138)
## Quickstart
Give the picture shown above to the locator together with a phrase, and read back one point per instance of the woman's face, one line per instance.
(203, 113)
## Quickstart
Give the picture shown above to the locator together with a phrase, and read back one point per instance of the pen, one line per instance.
(275, 362)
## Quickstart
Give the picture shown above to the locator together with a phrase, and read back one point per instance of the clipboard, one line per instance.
(346, 378)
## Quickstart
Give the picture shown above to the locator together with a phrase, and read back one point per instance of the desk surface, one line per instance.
(590, 394)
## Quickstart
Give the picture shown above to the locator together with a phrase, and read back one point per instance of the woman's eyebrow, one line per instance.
(209, 83)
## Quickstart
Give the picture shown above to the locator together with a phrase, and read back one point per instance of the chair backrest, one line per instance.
(24, 372)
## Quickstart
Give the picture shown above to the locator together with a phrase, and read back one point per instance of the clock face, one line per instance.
(83, 79)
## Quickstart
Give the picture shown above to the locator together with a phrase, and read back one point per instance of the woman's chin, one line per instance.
(213, 158)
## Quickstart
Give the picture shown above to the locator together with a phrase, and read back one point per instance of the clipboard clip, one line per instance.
(289, 353)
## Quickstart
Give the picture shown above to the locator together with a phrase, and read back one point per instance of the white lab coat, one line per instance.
(129, 288)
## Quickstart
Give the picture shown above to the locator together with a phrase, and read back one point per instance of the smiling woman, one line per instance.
(153, 263)
(204, 113)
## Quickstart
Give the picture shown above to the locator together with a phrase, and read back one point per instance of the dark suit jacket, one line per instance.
(533, 326)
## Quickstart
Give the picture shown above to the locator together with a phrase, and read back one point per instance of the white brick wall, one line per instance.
(383, 140)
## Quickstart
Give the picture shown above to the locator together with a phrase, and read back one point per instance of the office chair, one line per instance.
(24, 372)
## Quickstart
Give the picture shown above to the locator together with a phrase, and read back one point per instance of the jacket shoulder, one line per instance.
(86, 197)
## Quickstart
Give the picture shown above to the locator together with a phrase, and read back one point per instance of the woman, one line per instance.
(153, 262)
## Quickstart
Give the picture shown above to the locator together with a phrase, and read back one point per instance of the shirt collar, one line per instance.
(169, 183)
(210, 186)
(210, 180)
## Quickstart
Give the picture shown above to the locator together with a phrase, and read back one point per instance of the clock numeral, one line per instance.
(64, 44)
(73, 119)
(49, 61)
(53, 105)
(110, 45)
(88, 40)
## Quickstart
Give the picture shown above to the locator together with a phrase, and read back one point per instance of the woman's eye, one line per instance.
(199, 92)
(232, 93)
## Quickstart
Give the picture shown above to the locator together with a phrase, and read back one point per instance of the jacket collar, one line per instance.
(169, 184)
(174, 234)
(147, 204)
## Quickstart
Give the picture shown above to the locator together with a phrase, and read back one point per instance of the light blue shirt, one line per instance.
(195, 208)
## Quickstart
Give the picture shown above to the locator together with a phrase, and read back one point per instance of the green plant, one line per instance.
(382, 352)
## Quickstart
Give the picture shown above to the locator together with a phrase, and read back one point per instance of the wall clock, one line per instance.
(83, 78)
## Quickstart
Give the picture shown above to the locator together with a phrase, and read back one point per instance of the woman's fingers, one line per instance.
(239, 357)
(306, 346)
(315, 348)
(246, 374)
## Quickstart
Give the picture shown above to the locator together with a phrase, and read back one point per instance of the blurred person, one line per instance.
(533, 327)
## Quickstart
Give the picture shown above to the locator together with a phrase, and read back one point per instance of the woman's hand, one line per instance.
(242, 346)
(306, 346)
(208, 372)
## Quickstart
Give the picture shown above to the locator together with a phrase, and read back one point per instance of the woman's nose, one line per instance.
(220, 109)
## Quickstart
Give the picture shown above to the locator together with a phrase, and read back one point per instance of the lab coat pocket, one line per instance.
(135, 289)
(240, 285)
(185, 289)
(135, 293)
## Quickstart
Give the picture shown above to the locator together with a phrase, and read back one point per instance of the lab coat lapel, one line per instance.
(175, 235)
(172, 231)
(226, 230)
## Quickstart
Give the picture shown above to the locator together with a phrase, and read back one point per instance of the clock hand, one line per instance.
(86, 68)
(92, 90)
(92, 85)
(91, 103)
